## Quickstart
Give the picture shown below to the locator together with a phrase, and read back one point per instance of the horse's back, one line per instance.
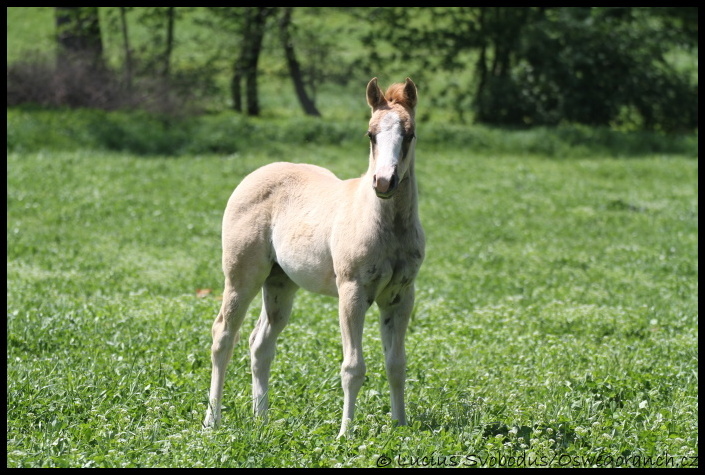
(269, 186)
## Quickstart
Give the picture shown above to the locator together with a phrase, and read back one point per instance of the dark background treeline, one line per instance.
(628, 67)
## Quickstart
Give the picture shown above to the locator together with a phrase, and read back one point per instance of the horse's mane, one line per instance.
(395, 93)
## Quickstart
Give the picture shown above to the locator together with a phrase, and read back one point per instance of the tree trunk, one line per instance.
(257, 20)
(169, 41)
(481, 66)
(126, 46)
(78, 35)
(294, 69)
(235, 89)
(245, 67)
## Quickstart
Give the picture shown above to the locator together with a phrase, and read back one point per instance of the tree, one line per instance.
(80, 77)
(594, 65)
(126, 46)
(169, 46)
(156, 52)
(78, 35)
(546, 65)
(294, 68)
(250, 25)
(245, 67)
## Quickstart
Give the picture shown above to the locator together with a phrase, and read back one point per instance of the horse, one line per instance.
(290, 225)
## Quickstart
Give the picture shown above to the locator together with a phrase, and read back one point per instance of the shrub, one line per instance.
(588, 68)
(76, 83)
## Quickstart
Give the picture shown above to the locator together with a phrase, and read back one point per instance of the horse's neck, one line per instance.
(402, 208)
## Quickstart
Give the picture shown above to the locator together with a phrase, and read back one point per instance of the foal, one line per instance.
(295, 225)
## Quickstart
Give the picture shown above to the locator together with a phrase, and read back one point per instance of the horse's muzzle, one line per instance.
(384, 186)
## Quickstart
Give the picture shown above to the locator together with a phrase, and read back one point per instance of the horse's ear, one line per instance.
(410, 93)
(375, 96)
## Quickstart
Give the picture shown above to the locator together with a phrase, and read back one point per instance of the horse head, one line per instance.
(392, 133)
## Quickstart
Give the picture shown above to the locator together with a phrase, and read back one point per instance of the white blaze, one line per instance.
(389, 141)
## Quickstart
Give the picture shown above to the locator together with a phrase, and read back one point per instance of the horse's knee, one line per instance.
(396, 369)
(223, 343)
(261, 353)
(353, 373)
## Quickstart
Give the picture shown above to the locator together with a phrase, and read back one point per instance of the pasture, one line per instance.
(556, 319)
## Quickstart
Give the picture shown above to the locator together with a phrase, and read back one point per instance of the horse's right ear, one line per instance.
(410, 92)
(375, 96)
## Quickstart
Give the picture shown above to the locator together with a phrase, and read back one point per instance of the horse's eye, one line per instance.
(372, 137)
(410, 137)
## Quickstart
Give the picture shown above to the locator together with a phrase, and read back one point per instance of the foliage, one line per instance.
(623, 67)
(37, 80)
(556, 320)
(545, 66)
(588, 66)
(141, 79)
(78, 35)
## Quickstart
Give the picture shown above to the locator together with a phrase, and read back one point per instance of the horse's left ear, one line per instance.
(410, 92)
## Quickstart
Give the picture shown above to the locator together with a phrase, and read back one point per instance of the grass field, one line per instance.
(556, 321)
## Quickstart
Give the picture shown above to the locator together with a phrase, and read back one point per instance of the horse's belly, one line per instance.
(307, 261)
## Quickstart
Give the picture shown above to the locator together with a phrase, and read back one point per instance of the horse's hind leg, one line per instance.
(277, 300)
(240, 288)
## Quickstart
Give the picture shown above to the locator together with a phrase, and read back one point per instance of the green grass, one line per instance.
(556, 314)
(29, 29)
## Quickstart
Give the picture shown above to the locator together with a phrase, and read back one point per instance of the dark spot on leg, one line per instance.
(388, 320)
(396, 299)
(273, 318)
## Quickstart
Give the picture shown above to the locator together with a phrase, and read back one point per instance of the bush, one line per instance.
(589, 68)
(76, 83)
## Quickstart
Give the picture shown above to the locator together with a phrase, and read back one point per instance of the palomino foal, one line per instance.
(295, 225)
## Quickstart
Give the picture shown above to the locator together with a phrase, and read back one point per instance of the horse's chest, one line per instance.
(396, 267)
(393, 276)
(405, 266)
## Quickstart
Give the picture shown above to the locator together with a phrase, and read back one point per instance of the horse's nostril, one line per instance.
(394, 182)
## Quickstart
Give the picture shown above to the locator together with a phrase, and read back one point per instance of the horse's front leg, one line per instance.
(395, 311)
(353, 304)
